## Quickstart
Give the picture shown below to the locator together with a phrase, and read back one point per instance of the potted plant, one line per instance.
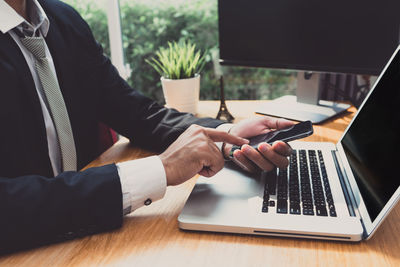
(179, 66)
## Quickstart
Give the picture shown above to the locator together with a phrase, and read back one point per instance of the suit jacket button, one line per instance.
(147, 202)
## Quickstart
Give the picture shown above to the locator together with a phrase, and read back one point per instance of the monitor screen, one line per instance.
(356, 36)
(372, 143)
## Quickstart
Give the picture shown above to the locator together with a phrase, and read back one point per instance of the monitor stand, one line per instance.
(306, 104)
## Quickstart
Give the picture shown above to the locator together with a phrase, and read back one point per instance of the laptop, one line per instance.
(329, 191)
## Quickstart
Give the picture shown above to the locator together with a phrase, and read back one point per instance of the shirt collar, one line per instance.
(10, 19)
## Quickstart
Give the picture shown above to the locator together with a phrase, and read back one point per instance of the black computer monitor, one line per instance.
(344, 36)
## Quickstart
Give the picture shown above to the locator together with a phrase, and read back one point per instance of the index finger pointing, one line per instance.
(221, 136)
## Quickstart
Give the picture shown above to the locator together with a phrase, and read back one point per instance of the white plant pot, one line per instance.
(182, 94)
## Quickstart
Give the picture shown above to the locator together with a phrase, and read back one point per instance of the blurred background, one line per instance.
(147, 25)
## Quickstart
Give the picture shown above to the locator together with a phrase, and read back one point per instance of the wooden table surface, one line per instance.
(150, 236)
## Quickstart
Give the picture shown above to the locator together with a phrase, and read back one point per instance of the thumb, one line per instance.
(221, 136)
(277, 123)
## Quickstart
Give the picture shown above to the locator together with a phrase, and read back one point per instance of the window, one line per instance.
(147, 25)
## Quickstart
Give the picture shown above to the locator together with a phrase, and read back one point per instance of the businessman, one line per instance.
(56, 86)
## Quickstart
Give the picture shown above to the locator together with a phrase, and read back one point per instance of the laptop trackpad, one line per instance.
(230, 193)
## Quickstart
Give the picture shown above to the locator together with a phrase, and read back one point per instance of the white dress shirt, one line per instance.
(142, 181)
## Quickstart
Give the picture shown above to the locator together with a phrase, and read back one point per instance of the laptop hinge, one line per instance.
(344, 185)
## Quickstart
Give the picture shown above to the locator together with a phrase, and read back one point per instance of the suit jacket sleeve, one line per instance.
(35, 210)
(126, 110)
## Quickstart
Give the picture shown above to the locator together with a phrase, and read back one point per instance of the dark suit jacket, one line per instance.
(35, 208)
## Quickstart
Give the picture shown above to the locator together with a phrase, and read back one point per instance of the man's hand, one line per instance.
(194, 152)
(267, 157)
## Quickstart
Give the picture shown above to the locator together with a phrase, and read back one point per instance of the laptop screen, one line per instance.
(372, 143)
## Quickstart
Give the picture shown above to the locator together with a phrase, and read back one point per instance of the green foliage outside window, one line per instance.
(149, 25)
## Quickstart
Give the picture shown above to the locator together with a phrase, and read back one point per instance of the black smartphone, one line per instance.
(297, 131)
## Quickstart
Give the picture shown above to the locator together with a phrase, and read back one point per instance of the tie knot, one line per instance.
(35, 45)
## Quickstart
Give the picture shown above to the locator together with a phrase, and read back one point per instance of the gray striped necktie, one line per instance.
(55, 101)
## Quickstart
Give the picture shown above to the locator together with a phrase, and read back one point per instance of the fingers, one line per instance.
(213, 161)
(191, 153)
(277, 159)
(208, 172)
(276, 123)
(282, 148)
(282, 124)
(257, 158)
(266, 157)
(221, 136)
(210, 156)
(242, 161)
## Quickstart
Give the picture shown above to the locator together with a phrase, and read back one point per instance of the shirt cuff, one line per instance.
(143, 181)
(223, 127)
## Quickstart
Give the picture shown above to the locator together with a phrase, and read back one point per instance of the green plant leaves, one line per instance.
(180, 60)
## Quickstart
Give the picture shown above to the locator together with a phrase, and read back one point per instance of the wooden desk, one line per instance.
(150, 236)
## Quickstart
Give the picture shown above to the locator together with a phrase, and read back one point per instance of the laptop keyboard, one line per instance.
(302, 188)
